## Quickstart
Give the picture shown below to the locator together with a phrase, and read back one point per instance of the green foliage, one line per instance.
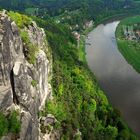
(130, 20)
(108, 133)
(60, 89)
(81, 50)
(30, 49)
(31, 11)
(20, 19)
(9, 124)
(78, 101)
(111, 133)
(34, 83)
(14, 124)
(57, 109)
(25, 37)
(3, 125)
(74, 12)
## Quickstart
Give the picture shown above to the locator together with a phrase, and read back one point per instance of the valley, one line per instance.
(61, 80)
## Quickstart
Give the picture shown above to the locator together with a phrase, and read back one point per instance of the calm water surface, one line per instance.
(115, 76)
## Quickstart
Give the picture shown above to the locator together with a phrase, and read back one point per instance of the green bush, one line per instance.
(25, 37)
(31, 55)
(57, 109)
(34, 83)
(20, 19)
(3, 125)
(30, 49)
(14, 124)
(9, 124)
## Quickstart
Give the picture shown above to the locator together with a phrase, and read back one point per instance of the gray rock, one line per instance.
(50, 121)
(16, 76)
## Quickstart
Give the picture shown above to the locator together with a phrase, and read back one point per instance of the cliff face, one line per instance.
(23, 86)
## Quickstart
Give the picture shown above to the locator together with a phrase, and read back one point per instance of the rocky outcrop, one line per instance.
(23, 86)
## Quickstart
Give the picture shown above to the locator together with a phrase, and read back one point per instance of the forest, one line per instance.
(81, 9)
(79, 104)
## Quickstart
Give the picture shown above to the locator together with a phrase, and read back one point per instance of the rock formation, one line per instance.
(23, 86)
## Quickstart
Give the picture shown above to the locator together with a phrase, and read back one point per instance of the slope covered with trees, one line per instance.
(79, 105)
(96, 9)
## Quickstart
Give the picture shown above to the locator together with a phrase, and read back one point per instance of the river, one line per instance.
(115, 76)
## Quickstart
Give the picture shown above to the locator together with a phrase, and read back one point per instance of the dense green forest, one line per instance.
(79, 105)
(128, 39)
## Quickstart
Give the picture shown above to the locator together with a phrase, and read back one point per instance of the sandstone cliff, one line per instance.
(24, 87)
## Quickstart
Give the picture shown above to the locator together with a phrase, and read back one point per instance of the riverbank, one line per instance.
(84, 33)
(114, 75)
(84, 48)
(129, 46)
(105, 20)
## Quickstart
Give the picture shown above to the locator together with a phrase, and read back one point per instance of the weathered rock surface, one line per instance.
(16, 75)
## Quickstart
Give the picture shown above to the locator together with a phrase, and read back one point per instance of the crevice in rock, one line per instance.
(2, 79)
(1, 75)
(27, 110)
(15, 99)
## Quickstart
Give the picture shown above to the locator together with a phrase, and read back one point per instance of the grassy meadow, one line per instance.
(130, 49)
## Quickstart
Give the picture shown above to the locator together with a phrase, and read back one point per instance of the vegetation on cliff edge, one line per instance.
(23, 21)
(9, 124)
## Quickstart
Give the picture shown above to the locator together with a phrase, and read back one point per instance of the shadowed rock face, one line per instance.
(16, 75)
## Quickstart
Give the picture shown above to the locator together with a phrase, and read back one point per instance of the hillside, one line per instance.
(79, 104)
(92, 9)
(75, 13)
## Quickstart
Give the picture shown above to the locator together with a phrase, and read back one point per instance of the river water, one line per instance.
(116, 77)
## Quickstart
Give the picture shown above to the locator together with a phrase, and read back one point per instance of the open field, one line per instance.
(130, 49)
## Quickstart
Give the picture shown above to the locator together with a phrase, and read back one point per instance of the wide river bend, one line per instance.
(116, 77)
